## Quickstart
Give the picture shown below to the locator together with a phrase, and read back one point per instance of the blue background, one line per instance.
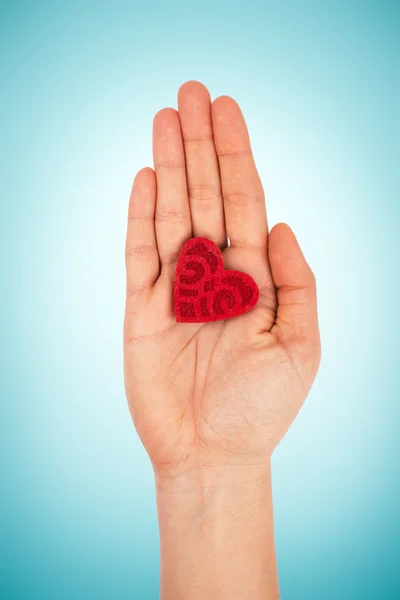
(319, 85)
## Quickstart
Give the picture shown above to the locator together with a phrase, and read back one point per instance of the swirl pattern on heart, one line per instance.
(204, 291)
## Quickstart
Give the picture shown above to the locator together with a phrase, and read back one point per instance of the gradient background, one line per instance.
(319, 85)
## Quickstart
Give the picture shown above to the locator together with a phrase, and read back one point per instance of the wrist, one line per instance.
(210, 484)
(216, 531)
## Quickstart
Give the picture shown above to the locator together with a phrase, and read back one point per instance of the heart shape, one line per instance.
(204, 291)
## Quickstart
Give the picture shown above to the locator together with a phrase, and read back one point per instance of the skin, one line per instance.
(211, 401)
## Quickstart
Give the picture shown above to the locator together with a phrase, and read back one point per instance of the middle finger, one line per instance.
(204, 186)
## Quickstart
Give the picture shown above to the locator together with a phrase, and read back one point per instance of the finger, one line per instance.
(173, 223)
(202, 169)
(297, 319)
(142, 264)
(244, 202)
(242, 191)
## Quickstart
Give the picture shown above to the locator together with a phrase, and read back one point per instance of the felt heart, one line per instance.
(204, 291)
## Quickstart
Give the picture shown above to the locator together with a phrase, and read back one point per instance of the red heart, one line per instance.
(204, 291)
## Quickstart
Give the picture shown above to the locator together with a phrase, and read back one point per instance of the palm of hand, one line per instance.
(223, 392)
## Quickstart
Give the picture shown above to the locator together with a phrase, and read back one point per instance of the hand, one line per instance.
(224, 393)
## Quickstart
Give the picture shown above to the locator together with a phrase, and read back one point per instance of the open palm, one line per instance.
(223, 392)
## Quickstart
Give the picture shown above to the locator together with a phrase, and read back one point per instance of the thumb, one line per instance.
(297, 320)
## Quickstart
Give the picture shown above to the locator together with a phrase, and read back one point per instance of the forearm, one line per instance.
(216, 535)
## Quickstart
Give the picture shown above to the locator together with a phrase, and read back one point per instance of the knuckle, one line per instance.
(172, 216)
(207, 193)
(170, 258)
(133, 216)
(139, 251)
(241, 199)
